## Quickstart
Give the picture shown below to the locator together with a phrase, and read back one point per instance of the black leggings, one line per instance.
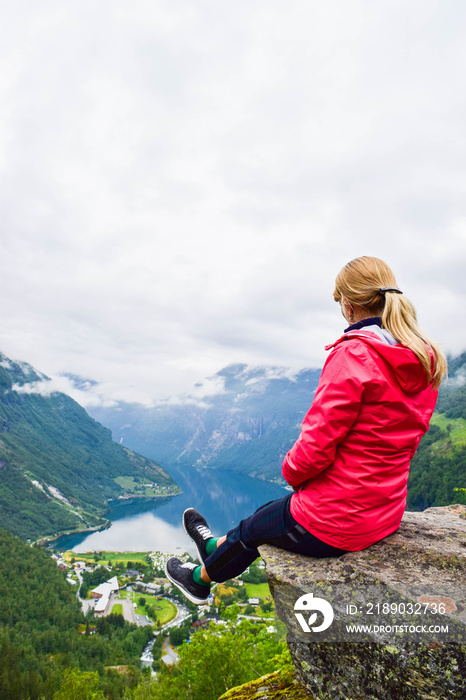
(273, 524)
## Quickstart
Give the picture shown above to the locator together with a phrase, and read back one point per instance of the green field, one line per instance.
(139, 610)
(258, 590)
(133, 486)
(126, 482)
(117, 609)
(166, 612)
(114, 557)
(457, 433)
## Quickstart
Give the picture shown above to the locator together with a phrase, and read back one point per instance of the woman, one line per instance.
(349, 467)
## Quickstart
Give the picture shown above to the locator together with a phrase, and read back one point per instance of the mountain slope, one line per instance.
(248, 425)
(439, 465)
(452, 396)
(58, 466)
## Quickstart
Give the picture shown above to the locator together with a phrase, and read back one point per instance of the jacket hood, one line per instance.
(409, 371)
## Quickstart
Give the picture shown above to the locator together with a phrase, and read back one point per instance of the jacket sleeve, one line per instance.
(334, 410)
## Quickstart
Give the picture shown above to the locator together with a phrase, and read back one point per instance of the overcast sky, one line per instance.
(181, 181)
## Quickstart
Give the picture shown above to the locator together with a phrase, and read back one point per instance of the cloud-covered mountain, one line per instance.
(242, 419)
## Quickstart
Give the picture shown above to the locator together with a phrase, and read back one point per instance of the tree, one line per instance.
(79, 685)
(242, 593)
(214, 661)
(177, 636)
(41, 632)
(254, 575)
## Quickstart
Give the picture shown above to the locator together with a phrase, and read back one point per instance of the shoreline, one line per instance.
(44, 541)
(275, 481)
(136, 497)
(48, 539)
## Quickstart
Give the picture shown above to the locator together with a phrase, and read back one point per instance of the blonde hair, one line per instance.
(362, 282)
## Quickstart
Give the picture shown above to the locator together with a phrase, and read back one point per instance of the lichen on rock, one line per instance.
(280, 685)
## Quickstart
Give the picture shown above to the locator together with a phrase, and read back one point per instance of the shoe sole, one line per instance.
(212, 583)
(194, 599)
(185, 529)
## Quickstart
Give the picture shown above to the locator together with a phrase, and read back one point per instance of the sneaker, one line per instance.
(197, 529)
(182, 576)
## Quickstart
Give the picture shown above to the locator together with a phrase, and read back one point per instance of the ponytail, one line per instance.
(399, 318)
(370, 283)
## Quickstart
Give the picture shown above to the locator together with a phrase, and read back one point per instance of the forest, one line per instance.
(439, 465)
(43, 633)
(50, 651)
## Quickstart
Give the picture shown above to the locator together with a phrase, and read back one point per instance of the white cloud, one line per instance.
(88, 395)
(458, 381)
(40, 388)
(181, 182)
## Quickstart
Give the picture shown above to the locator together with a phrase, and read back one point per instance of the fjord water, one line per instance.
(223, 498)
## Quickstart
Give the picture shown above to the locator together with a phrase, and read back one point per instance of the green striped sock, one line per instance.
(211, 545)
(198, 578)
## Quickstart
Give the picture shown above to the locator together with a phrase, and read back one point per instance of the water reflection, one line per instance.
(222, 497)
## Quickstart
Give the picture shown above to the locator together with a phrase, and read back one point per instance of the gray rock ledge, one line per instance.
(404, 650)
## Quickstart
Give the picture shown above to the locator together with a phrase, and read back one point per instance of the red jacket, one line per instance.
(351, 462)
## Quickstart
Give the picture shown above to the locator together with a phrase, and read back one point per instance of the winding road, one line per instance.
(170, 657)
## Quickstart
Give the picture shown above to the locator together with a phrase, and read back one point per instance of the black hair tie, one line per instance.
(382, 290)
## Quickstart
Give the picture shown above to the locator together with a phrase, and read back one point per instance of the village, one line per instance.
(134, 585)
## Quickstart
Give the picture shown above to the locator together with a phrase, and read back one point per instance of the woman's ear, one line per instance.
(347, 310)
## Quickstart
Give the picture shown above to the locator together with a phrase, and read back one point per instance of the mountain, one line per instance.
(58, 466)
(248, 424)
(254, 417)
(439, 465)
(452, 396)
